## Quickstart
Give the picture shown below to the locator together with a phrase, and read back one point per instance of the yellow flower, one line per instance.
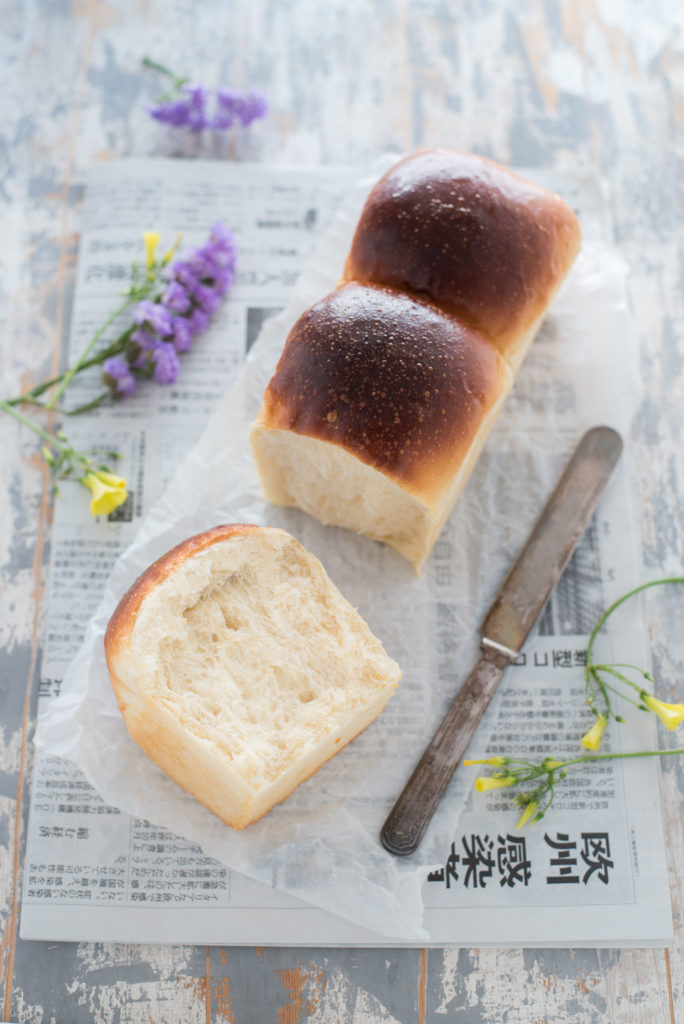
(151, 240)
(592, 738)
(669, 714)
(482, 784)
(495, 761)
(529, 812)
(109, 491)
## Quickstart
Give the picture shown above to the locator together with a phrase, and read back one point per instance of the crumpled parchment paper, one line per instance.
(321, 844)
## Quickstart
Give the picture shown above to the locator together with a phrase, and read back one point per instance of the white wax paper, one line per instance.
(321, 844)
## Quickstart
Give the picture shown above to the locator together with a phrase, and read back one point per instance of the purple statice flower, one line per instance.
(155, 316)
(198, 320)
(196, 108)
(227, 102)
(223, 281)
(176, 298)
(192, 290)
(214, 265)
(189, 111)
(202, 263)
(184, 272)
(118, 377)
(173, 112)
(182, 334)
(166, 363)
(233, 107)
(197, 105)
(254, 107)
(207, 298)
(223, 243)
(139, 346)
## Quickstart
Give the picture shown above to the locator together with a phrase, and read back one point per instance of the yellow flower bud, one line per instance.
(592, 738)
(168, 256)
(529, 812)
(151, 240)
(669, 714)
(109, 491)
(482, 784)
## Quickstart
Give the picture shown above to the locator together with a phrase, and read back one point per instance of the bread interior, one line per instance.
(249, 648)
(337, 488)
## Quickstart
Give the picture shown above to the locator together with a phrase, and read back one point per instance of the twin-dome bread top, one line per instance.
(387, 389)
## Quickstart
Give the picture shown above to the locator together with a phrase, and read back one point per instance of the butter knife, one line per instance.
(515, 610)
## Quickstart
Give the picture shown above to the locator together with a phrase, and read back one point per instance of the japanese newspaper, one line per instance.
(115, 851)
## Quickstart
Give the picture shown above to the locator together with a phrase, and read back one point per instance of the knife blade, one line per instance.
(517, 606)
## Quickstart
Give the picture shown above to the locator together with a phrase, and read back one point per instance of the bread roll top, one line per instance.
(471, 236)
(390, 379)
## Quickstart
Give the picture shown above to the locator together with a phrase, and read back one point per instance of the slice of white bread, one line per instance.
(240, 669)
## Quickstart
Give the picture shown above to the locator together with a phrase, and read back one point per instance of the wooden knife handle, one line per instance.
(413, 811)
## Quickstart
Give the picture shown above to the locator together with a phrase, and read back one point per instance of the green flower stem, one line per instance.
(135, 294)
(601, 683)
(625, 664)
(616, 604)
(156, 66)
(80, 362)
(93, 404)
(28, 398)
(67, 457)
(618, 693)
(26, 422)
(604, 686)
(539, 770)
(37, 404)
(592, 678)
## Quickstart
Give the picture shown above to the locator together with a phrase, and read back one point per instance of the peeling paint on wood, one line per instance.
(591, 84)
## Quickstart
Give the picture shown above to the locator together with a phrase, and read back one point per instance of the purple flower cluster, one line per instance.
(196, 111)
(193, 289)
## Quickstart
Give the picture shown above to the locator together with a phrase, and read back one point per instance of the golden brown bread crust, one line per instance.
(477, 240)
(389, 378)
(122, 622)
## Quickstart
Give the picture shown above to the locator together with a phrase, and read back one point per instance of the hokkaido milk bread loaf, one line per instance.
(240, 669)
(387, 389)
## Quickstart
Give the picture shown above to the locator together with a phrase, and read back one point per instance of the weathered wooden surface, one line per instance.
(574, 84)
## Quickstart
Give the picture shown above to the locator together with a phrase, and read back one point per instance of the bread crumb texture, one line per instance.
(337, 488)
(251, 649)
